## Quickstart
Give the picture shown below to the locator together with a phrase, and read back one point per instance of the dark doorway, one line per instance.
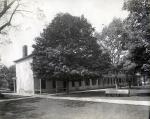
(43, 84)
(54, 84)
(64, 85)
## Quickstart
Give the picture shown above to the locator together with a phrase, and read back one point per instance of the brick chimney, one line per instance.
(25, 51)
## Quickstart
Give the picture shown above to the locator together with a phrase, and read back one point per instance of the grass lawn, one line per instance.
(38, 108)
(8, 96)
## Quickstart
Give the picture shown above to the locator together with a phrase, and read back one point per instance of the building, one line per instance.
(26, 84)
(24, 74)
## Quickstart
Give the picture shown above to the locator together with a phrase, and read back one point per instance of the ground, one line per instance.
(79, 105)
(44, 108)
(140, 94)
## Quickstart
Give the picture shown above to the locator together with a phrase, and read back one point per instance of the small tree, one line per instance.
(3, 76)
(67, 48)
(11, 76)
(6, 76)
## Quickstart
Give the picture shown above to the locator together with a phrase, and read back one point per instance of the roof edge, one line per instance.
(23, 58)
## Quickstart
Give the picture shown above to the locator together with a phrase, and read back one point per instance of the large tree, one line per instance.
(113, 39)
(8, 9)
(137, 25)
(139, 56)
(67, 48)
(138, 21)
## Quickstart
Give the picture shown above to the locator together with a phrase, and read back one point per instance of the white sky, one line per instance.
(29, 25)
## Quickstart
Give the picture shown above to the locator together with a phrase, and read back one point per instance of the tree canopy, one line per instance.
(3, 76)
(5, 17)
(138, 21)
(137, 26)
(113, 39)
(8, 10)
(67, 48)
(128, 41)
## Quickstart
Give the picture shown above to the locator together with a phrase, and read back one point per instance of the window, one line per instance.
(94, 82)
(107, 80)
(99, 82)
(54, 84)
(104, 81)
(119, 80)
(43, 84)
(111, 81)
(73, 83)
(87, 82)
(80, 83)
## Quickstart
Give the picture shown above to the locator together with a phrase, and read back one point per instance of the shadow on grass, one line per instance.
(17, 109)
(76, 104)
(84, 94)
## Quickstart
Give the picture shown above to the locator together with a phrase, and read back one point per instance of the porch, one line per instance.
(59, 86)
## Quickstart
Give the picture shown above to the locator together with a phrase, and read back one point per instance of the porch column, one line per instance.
(97, 82)
(83, 83)
(91, 85)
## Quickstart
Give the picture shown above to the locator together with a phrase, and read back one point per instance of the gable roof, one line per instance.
(23, 58)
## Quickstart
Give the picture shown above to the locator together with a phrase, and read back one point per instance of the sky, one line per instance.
(28, 25)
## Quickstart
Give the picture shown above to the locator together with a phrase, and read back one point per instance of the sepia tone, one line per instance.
(83, 59)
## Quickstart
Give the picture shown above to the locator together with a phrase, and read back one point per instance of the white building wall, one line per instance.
(24, 77)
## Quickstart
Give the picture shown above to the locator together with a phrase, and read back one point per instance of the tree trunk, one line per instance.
(116, 81)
